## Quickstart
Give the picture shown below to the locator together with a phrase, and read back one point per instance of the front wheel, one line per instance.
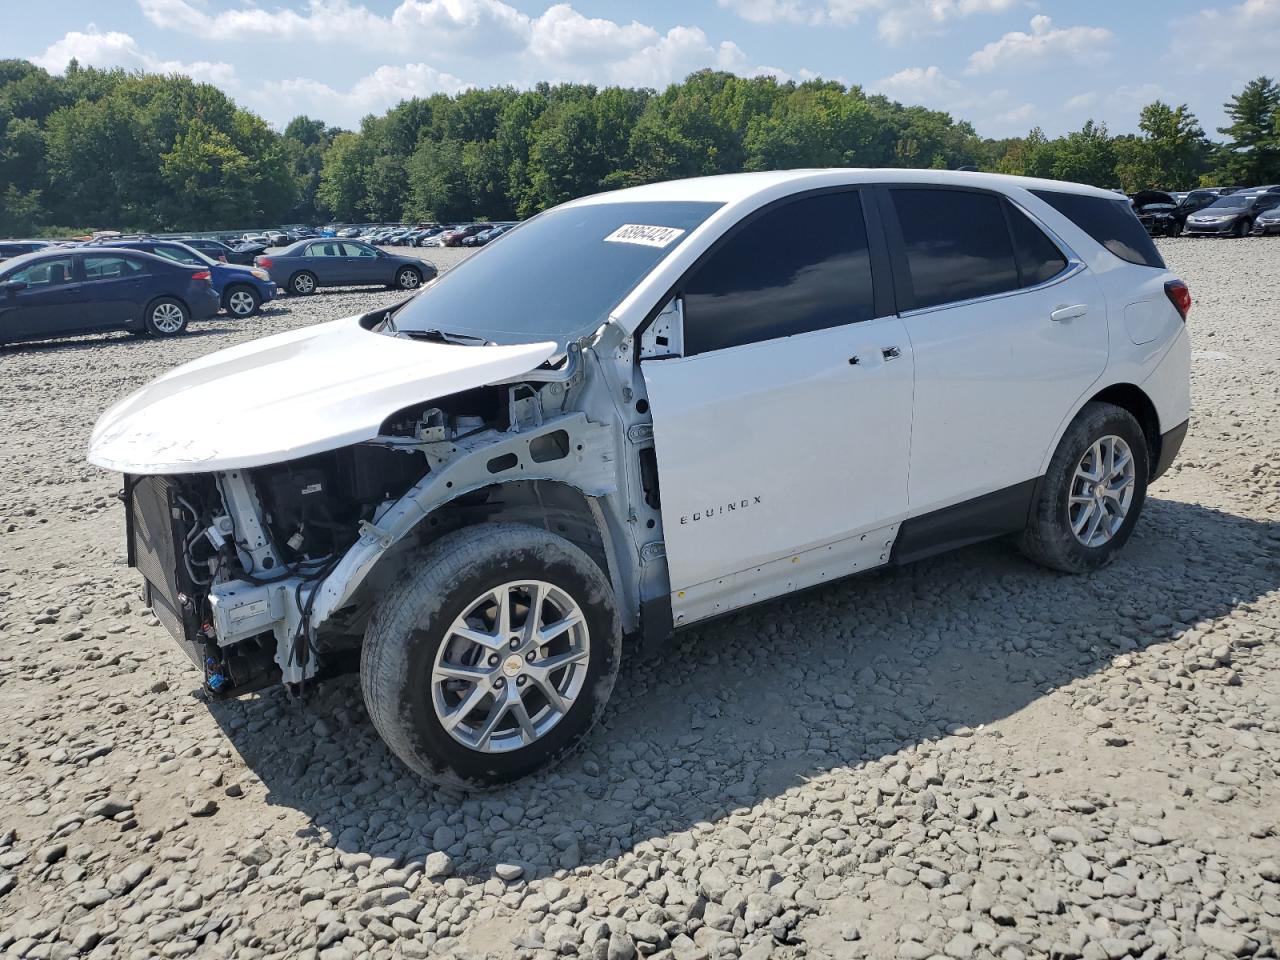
(408, 278)
(242, 302)
(166, 317)
(492, 656)
(1241, 229)
(1092, 494)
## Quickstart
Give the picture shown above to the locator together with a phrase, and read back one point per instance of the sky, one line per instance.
(1004, 65)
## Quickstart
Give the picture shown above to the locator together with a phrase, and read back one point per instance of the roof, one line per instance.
(735, 187)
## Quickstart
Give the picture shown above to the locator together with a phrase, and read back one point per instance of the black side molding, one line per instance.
(990, 515)
(1170, 444)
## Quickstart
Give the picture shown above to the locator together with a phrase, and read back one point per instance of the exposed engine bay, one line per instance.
(240, 564)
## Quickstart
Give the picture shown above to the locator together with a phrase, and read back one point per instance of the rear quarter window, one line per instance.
(1111, 223)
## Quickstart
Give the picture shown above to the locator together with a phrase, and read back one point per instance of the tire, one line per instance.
(166, 317)
(1049, 538)
(241, 301)
(1175, 230)
(408, 278)
(411, 634)
(303, 283)
(1241, 229)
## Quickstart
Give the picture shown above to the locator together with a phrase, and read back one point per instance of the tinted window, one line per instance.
(798, 267)
(43, 273)
(1039, 258)
(1110, 222)
(957, 245)
(177, 254)
(110, 268)
(558, 276)
(324, 250)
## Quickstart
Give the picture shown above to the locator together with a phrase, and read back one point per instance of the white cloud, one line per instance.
(775, 11)
(919, 85)
(905, 20)
(1241, 39)
(374, 93)
(1045, 44)
(93, 48)
(563, 34)
(1123, 104)
(897, 19)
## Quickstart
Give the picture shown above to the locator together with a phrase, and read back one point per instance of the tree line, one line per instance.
(110, 148)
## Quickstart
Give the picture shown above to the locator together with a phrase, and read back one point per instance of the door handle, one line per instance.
(891, 353)
(1069, 313)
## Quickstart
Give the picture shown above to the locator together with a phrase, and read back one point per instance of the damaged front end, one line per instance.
(266, 573)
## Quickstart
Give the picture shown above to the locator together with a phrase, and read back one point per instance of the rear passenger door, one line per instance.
(115, 288)
(327, 261)
(782, 425)
(1008, 331)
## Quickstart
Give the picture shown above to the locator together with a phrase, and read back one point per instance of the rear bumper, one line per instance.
(205, 305)
(1170, 444)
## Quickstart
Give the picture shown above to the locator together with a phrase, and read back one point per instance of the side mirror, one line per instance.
(664, 337)
(12, 286)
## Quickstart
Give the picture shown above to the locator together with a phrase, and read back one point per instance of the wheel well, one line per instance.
(555, 507)
(1132, 398)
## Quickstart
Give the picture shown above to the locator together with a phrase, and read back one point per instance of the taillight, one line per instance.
(1180, 296)
(204, 275)
(264, 262)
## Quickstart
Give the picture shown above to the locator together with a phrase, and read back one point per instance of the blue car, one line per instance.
(241, 290)
(65, 292)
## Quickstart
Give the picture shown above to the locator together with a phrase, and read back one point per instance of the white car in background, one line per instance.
(641, 410)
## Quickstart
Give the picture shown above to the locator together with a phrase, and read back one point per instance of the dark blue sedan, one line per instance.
(241, 290)
(307, 265)
(69, 292)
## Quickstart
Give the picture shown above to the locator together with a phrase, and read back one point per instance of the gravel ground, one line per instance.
(970, 757)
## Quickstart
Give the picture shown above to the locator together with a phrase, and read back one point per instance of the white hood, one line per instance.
(289, 395)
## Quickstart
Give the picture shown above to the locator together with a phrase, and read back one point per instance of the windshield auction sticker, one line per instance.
(645, 235)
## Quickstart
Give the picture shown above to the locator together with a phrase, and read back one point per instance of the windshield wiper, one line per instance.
(440, 336)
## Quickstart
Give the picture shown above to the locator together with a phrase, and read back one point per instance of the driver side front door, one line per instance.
(782, 426)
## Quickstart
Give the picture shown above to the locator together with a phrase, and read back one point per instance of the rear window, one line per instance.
(1110, 222)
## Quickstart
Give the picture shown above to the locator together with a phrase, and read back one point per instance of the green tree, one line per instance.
(1252, 152)
(1170, 154)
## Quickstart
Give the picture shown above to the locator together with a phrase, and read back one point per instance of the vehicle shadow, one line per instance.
(760, 702)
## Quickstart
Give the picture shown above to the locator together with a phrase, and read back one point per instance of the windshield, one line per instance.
(1235, 201)
(555, 277)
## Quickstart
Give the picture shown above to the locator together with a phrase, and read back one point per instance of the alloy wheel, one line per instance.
(510, 667)
(1101, 491)
(241, 303)
(408, 279)
(167, 317)
(303, 284)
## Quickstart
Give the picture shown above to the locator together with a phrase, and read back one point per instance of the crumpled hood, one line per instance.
(288, 396)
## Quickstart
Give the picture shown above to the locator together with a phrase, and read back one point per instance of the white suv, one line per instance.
(641, 410)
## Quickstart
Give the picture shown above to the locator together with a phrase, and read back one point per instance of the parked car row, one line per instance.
(62, 291)
(1209, 211)
(147, 285)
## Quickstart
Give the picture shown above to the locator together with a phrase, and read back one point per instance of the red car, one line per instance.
(454, 238)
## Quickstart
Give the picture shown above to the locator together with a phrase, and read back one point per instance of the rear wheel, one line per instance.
(492, 657)
(166, 317)
(241, 301)
(1092, 494)
(303, 284)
